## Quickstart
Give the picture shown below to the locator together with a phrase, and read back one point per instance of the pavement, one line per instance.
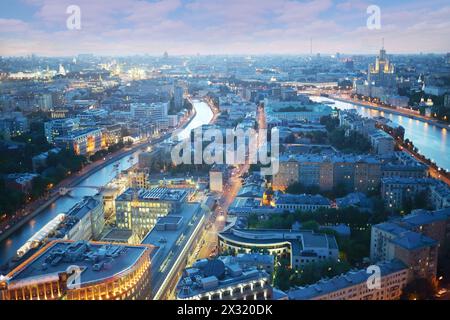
(208, 245)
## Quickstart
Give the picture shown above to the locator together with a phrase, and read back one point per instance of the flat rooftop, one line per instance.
(97, 260)
(171, 243)
(300, 240)
(352, 278)
(155, 194)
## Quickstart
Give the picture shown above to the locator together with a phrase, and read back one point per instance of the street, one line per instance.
(208, 244)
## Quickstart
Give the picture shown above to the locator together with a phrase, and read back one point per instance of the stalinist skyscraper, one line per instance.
(382, 73)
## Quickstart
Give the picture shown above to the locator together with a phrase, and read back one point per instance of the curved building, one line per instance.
(301, 247)
(81, 271)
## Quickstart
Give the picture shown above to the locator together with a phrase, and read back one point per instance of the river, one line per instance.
(432, 141)
(9, 246)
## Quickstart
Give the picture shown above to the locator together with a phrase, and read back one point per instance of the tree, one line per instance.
(419, 289)
(329, 122)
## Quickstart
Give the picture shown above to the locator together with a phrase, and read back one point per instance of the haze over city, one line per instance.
(199, 150)
(221, 27)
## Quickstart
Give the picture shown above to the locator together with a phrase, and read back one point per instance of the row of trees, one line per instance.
(353, 249)
(347, 142)
(285, 277)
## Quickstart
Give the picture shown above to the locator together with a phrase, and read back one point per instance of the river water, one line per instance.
(433, 142)
(9, 246)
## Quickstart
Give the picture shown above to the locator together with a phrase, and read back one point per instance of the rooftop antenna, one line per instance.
(382, 43)
(311, 46)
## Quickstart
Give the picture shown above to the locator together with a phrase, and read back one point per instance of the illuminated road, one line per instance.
(208, 244)
(431, 141)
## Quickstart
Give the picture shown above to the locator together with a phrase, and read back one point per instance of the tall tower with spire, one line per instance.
(382, 73)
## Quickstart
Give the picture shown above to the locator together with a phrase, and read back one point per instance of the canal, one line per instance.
(432, 141)
(9, 246)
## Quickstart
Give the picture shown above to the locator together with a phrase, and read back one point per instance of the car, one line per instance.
(441, 292)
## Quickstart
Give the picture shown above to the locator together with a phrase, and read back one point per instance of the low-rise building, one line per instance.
(355, 172)
(354, 285)
(82, 142)
(382, 142)
(414, 239)
(223, 280)
(175, 238)
(440, 196)
(395, 191)
(301, 247)
(84, 221)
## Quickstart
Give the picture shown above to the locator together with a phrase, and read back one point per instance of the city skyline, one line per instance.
(221, 27)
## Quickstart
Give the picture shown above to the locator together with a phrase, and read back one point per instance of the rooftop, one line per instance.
(412, 240)
(300, 240)
(171, 242)
(97, 260)
(302, 199)
(211, 275)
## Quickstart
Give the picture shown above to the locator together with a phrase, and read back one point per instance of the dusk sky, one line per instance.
(126, 27)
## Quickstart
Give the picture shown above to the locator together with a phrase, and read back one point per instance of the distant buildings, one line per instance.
(353, 285)
(302, 202)
(178, 97)
(301, 247)
(439, 195)
(224, 279)
(105, 272)
(22, 182)
(40, 161)
(403, 165)
(381, 79)
(156, 113)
